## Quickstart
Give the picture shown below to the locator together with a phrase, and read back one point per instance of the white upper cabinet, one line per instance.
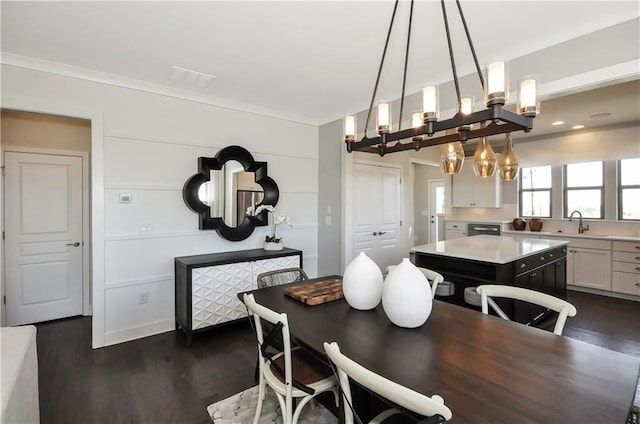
(469, 191)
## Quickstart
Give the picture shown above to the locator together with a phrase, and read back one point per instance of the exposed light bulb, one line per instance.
(508, 163)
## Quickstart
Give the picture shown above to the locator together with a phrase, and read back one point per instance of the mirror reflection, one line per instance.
(229, 192)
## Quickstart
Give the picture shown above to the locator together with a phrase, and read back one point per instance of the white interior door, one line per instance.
(43, 237)
(436, 210)
(377, 201)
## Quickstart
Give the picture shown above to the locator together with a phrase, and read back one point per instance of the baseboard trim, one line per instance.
(617, 295)
(133, 333)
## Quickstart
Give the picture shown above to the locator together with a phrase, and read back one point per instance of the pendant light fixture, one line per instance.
(451, 158)
(433, 131)
(508, 163)
(484, 160)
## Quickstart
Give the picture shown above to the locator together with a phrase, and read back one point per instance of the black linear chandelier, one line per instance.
(451, 133)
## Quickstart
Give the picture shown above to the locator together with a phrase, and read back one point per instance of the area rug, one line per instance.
(241, 407)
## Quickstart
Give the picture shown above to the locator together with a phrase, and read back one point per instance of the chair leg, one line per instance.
(262, 391)
(299, 407)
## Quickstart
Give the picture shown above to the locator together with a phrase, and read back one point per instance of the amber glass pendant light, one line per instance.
(508, 163)
(451, 158)
(484, 160)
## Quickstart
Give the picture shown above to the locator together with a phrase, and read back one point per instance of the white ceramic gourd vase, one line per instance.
(362, 283)
(406, 296)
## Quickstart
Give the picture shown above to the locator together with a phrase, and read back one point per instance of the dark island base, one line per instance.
(545, 272)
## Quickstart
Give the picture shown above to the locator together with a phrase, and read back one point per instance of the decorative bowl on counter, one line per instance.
(519, 224)
(535, 224)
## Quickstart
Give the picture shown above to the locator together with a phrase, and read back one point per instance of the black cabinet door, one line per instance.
(561, 278)
(534, 280)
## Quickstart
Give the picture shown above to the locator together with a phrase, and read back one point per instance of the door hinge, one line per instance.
(4, 299)
(401, 223)
(3, 235)
(400, 180)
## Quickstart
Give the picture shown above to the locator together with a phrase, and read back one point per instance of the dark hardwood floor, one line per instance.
(159, 380)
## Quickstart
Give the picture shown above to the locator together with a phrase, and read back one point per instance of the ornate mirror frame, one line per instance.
(205, 220)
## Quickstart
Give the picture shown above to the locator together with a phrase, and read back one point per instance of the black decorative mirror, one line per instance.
(224, 187)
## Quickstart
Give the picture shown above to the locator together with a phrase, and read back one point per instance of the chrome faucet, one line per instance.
(581, 229)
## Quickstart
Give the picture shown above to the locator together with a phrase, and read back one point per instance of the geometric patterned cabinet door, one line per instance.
(214, 291)
(265, 265)
(207, 286)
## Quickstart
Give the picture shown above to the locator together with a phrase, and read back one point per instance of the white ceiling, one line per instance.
(304, 60)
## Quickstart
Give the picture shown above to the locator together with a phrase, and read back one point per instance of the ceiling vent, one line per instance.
(190, 77)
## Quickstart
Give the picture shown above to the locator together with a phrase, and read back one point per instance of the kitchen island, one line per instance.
(537, 264)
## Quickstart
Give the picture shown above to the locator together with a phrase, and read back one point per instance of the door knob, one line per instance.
(375, 234)
(76, 244)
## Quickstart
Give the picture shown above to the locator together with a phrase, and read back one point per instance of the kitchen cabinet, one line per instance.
(589, 268)
(548, 278)
(625, 276)
(455, 229)
(206, 286)
(543, 268)
(469, 191)
(589, 263)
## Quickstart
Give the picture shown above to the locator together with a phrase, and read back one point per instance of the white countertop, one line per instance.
(494, 249)
(572, 235)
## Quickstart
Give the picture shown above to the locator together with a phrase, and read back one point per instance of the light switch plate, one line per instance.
(125, 198)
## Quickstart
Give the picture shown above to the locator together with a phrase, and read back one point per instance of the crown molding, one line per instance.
(36, 64)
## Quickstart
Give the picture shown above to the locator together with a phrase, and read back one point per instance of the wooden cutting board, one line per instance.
(317, 293)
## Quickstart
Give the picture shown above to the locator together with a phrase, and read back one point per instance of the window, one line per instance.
(535, 193)
(629, 189)
(584, 189)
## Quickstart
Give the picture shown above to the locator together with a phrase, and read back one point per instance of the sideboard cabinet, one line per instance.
(206, 286)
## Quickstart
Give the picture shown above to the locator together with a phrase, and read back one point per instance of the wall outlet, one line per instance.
(146, 228)
(143, 298)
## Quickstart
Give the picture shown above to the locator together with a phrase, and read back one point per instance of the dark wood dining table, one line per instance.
(488, 370)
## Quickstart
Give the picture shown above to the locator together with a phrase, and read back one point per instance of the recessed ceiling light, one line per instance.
(558, 123)
(577, 127)
(601, 115)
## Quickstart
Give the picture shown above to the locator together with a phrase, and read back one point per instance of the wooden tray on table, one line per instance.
(318, 292)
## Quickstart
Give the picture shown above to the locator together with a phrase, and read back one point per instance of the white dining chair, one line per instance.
(291, 373)
(434, 277)
(424, 406)
(562, 307)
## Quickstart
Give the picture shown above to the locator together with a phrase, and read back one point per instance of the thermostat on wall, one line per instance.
(125, 197)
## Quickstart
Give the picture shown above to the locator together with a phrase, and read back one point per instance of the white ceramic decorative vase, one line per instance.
(406, 296)
(362, 283)
(269, 245)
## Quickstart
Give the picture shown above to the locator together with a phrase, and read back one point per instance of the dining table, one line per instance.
(487, 369)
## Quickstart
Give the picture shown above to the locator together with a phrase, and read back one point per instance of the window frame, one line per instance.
(620, 187)
(522, 191)
(565, 189)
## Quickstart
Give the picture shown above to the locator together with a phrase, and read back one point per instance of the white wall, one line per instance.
(147, 145)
